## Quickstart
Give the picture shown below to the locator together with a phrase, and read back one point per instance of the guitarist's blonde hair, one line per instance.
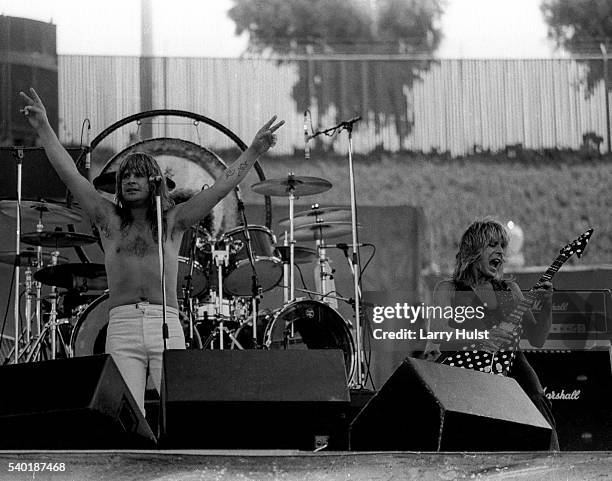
(473, 240)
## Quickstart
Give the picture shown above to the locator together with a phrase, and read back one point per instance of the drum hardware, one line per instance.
(256, 289)
(328, 214)
(302, 255)
(34, 211)
(187, 297)
(291, 187)
(50, 327)
(29, 258)
(322, 229)
(324, 276)
(82, 277)
(57, 239)
(221, 258)
(360, 379)
(29, 210)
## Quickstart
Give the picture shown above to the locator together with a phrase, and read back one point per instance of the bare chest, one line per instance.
(137, 241)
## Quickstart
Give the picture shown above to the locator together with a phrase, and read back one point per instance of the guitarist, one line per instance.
(478, 281)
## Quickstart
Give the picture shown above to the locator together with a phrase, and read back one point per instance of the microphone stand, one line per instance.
(359, 380)
(19, 155)
(255, 288)
(160, 252)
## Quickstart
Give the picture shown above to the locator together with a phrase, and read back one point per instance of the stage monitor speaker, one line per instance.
(579, 387)
(77, 403)
(253, 399)
(432, 407)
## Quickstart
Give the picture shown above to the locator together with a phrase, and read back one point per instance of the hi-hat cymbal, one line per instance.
(106, 182)
(32, 211)
(300, 186)
(74, 275)
(301, 255)
(318, 214)
(29, 258)
(322, 230)
(57, 239)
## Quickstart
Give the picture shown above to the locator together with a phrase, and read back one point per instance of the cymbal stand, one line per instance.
(39, 264)
(285, 274)
(291, 189)
(50, 327)
(324, 274)
(221, 258)
(19, 155)
(187, 298)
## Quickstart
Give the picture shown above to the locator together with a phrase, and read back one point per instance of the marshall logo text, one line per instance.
(554, 395)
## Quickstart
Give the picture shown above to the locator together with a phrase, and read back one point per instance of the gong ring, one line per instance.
(190, 115)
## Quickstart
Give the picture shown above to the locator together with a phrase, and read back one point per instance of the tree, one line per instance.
(580, 27)
(347, 27)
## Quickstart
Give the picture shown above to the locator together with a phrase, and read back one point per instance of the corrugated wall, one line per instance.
(443, 105)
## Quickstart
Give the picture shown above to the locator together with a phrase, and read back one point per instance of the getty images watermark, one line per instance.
(408, 313)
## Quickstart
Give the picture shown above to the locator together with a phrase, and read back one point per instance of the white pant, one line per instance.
(134, 340)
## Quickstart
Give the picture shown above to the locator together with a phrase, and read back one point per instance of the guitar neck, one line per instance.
(516, 316)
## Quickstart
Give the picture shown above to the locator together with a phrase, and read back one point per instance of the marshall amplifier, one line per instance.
(580, 320)
(579, 386)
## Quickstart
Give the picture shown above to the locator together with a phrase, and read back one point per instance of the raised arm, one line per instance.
(196, 208)
(84, 192)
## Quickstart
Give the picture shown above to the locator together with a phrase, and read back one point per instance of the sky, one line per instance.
(201, 28)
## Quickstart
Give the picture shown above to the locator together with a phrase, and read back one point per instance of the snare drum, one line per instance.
(89, 333)
(268, 264)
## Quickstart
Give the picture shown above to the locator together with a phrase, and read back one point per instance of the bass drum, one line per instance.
(315, 326)
(89, 333)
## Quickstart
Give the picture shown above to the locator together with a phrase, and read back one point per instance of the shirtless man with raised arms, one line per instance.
(128, 231)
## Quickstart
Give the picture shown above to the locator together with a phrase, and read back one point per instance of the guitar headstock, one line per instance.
(577, 246)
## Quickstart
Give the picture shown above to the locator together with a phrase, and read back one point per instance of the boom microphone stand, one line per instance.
(359, 381)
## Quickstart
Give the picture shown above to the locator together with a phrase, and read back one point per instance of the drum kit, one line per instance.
(221, 279)
(225, 264)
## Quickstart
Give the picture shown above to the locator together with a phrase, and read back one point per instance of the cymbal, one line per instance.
(301, 255)
(57, 239)
(321, 214)
(31, 211)
(299, 185)
(29, 258)
(74, 275)
(322, 230)
(107, 182)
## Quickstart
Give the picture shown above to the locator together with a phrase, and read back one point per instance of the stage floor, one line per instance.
(295, 465)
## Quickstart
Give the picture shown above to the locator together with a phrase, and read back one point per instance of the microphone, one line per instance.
(353, 120)
(156, 179)
(306, 146)
(88, 152)
(345, 247)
